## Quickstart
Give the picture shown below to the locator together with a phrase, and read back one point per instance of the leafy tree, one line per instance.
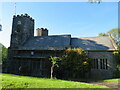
(115, 33)
(103, 34)
(75, 63)
(3, 53)
(0, 53)
(54, 63)
(118, 47)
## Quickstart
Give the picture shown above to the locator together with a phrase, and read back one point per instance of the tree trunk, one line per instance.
(52, 71)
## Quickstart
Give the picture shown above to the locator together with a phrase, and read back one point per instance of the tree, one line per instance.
(115, 33)
(103, 34)
(75, 63)
(3, 53)
(54, 63)
(118, 47)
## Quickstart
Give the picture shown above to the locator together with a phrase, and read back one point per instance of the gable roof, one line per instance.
(48, 42)
(93, 43)
(60, 42)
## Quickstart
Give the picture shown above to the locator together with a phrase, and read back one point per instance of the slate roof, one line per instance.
(48, 42)
(93, 43)
(60, 42)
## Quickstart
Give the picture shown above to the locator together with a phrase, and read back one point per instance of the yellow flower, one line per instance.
(85, 63)
(115, 52)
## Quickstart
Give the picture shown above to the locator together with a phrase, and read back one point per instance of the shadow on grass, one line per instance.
(85, 80)
(89, 80)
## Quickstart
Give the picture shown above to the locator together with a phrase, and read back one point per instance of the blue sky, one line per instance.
(80, 19)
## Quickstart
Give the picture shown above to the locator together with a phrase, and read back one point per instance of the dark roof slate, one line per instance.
(48, 42)
(60, 42)
(93, 43)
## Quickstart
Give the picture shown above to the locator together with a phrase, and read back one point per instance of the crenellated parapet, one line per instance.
(22, 29)
(23, 15)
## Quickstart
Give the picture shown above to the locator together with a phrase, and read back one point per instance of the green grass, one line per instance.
(98, 80)
(113, 80)
(15, 81)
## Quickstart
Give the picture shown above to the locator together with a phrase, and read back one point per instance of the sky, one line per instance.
(80, 19)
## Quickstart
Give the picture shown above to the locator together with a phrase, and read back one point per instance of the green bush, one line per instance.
(118, 46)
(117, 58)
(75, 63)
(117, 72)
(3, 52)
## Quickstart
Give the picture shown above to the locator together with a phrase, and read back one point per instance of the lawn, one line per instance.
(15, 81)
(116, 80)
(113, 80)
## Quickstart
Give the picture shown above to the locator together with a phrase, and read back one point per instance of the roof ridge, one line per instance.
(54, 35)
(90, 37)
(61, 35)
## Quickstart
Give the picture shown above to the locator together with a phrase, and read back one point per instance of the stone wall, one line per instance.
(32, 67)
(22, 30)
(32, 63)
(106, 72)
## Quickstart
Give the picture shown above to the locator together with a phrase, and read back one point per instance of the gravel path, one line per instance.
(114, 85)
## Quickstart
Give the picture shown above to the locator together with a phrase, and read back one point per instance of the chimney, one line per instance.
(41, 32)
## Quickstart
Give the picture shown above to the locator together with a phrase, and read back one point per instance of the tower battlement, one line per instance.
(22, 29)
(23, 15)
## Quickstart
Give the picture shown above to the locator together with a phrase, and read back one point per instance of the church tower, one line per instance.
(22, 30)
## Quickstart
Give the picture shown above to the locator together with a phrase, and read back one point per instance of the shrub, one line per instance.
(3, 52)
(117, 69)
(117, 72)
(117, 56)
(75, 63)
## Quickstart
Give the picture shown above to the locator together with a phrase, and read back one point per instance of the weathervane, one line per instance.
(96, 1)
(15, 8)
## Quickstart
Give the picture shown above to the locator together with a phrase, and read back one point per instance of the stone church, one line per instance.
(29, 54)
